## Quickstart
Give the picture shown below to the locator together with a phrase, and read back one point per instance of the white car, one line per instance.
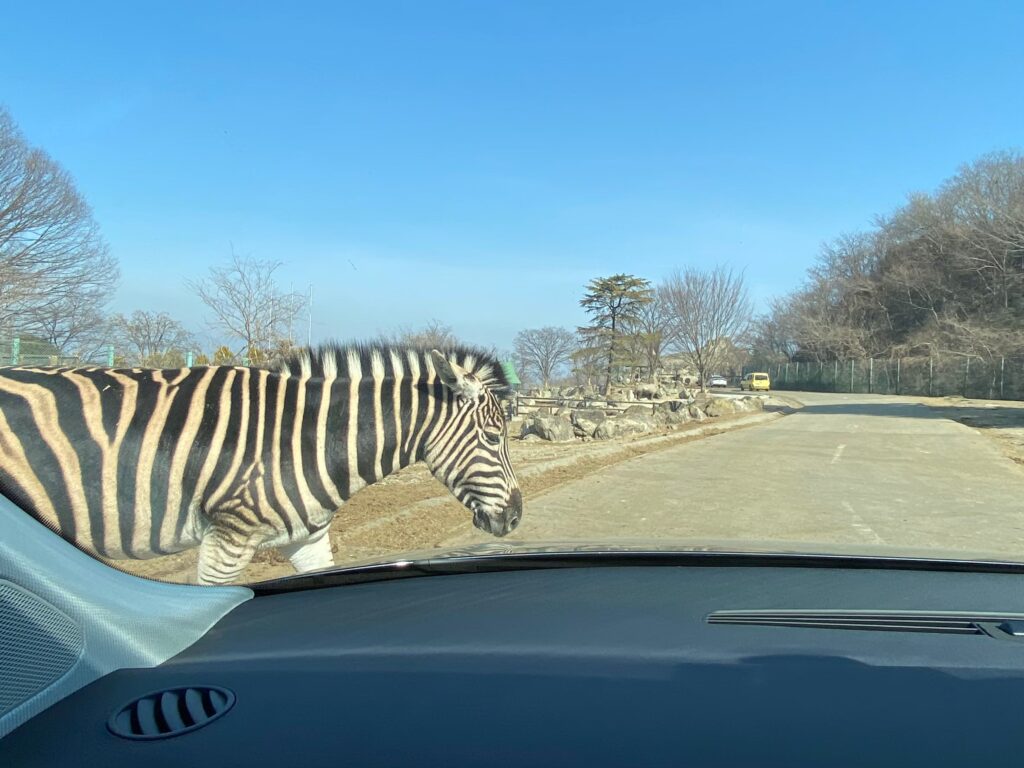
(717, 381)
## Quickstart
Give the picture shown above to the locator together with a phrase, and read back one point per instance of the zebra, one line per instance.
(139, 463)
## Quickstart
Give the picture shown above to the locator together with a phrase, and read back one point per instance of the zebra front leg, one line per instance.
(310, 554)
(224, 552)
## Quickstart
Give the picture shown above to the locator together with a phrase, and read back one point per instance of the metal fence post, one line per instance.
(931, 371)
(15, 350)
(835, 377)
(897, 375)
(967, 374)
(1002, 376)
(852, 363)
(871, 373)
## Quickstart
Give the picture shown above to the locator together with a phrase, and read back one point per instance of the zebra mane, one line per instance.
(332, 361)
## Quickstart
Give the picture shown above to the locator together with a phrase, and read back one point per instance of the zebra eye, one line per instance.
(494, 438)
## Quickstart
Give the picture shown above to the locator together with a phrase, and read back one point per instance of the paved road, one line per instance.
(860, 472)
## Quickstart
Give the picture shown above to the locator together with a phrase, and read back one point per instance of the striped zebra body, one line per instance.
(142, 463)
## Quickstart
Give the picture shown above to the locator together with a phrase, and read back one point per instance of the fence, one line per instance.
(999, 378)
(29, 351)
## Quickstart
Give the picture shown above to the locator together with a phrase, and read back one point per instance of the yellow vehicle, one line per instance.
(755, 382)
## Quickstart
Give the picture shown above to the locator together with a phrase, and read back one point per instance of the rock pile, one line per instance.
(596, 424)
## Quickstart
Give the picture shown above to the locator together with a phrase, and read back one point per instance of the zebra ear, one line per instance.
(455, 377)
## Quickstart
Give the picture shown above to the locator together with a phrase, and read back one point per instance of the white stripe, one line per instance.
(838, 453)
(355, 375)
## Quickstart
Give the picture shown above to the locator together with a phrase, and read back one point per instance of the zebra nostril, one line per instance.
(513, 523)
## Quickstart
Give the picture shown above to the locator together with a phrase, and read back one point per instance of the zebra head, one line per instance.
(469, 450)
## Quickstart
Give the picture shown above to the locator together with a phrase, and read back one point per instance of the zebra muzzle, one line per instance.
(499, 524)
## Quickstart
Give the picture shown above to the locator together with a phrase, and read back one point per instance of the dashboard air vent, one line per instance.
(172, 712)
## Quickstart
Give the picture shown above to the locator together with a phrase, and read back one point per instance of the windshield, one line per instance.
(284, 291)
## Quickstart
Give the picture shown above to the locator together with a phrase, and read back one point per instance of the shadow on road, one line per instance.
(982, 417)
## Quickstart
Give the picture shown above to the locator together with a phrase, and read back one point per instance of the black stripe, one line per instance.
(439, 393)
(199, 451)
(387, 412)
(42, 461)
(289, 468)
(408, 420)
(128, 461)
(71, 420)
(314, 392)
(234, 427)
(160, 474)
(366, 440)
(337, 436)
(276, 505)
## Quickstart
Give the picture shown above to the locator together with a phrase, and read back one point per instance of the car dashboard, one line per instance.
(635, 665)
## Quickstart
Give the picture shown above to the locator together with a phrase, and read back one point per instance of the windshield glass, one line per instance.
(284, 290)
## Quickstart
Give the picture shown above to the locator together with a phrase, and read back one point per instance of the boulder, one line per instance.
(723, 406)
(620, 427)
(696, 413)
(587, 421)
(754, 403)
(672, 412)
(637, 411)
(554, 428)
(642, 416)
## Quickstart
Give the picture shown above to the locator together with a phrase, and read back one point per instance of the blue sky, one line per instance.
(478, 162)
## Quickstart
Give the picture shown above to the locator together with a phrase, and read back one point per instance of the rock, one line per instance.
(620, 427)
(672, 412)
(723, 406)
(587, 421)
(531, 438)
(554, 428)
(696, 413)
(754, 403)
(642, 416)
(641, 411)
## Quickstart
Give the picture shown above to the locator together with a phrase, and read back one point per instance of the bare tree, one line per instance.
(249, 306)
(708, 311)
(434, 335)
(56, 273)
(544, 350)
(75, 325)
(151, 339)
(646, 335)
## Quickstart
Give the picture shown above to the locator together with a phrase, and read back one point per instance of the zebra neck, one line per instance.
(379, 425)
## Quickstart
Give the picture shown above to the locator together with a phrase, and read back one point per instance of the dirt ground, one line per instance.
(999, 420)
(412, 511)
